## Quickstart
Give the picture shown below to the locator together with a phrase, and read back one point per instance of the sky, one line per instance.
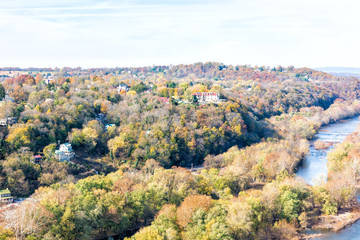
(124, 33)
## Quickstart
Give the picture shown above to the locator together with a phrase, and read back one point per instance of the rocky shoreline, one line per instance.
(333, 222)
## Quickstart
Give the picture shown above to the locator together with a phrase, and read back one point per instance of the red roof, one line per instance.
(164, 99)
(37, 156)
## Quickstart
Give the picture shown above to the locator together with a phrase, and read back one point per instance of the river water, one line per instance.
(314, 169)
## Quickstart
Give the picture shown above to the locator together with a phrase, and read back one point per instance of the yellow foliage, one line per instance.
(131, 93)
(147, 233)
(199, 88)
(19, 136)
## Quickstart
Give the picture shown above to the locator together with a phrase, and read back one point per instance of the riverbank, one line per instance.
(313, 168)
(331, 223)
(339, 221)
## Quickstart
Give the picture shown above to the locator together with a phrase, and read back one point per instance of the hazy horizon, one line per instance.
(324, 69)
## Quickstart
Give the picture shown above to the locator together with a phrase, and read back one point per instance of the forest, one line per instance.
(135, 148)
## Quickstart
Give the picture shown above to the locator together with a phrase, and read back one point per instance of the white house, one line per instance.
(7, 121)
(123, 87)
(65, 152)
(3, 122)
(66, 147)
(48, 80)
(207, 96)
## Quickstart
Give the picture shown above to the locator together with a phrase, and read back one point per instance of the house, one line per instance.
(109, 125)
(123, 87)
(48, 80)
(12, 120)
(164, 100)
(37, 159)
(3, 122)
(101, 117)
(207, 97)
(5, 196)
(65, 152)
(7, 121)
(8, 99)
(66, 147)
(150, 88)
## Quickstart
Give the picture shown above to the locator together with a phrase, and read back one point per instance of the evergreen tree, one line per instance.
(2, 92)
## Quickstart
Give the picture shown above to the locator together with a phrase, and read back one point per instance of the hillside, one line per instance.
(134, 132)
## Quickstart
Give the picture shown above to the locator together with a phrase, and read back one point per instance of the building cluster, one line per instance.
(65, 152)
(201, 97)
(207, 97)
(4, 122)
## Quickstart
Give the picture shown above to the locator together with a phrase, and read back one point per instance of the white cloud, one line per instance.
(123, 33)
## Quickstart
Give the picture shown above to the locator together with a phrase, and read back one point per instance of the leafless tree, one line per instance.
(28, 218)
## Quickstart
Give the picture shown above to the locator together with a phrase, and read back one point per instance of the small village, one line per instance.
(65, 152)
(95, 137)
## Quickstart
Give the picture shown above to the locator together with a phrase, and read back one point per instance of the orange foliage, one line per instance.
(190, 205)
(123, 185)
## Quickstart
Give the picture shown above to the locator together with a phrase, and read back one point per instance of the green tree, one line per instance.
(49, 151)
(6, 234)
(291, 205)
(209, 225)
(2, 92)
(138, 88)
(194, 99)
(68, 225)
(148, 233)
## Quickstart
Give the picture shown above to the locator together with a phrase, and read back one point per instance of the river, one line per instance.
(314, 169)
